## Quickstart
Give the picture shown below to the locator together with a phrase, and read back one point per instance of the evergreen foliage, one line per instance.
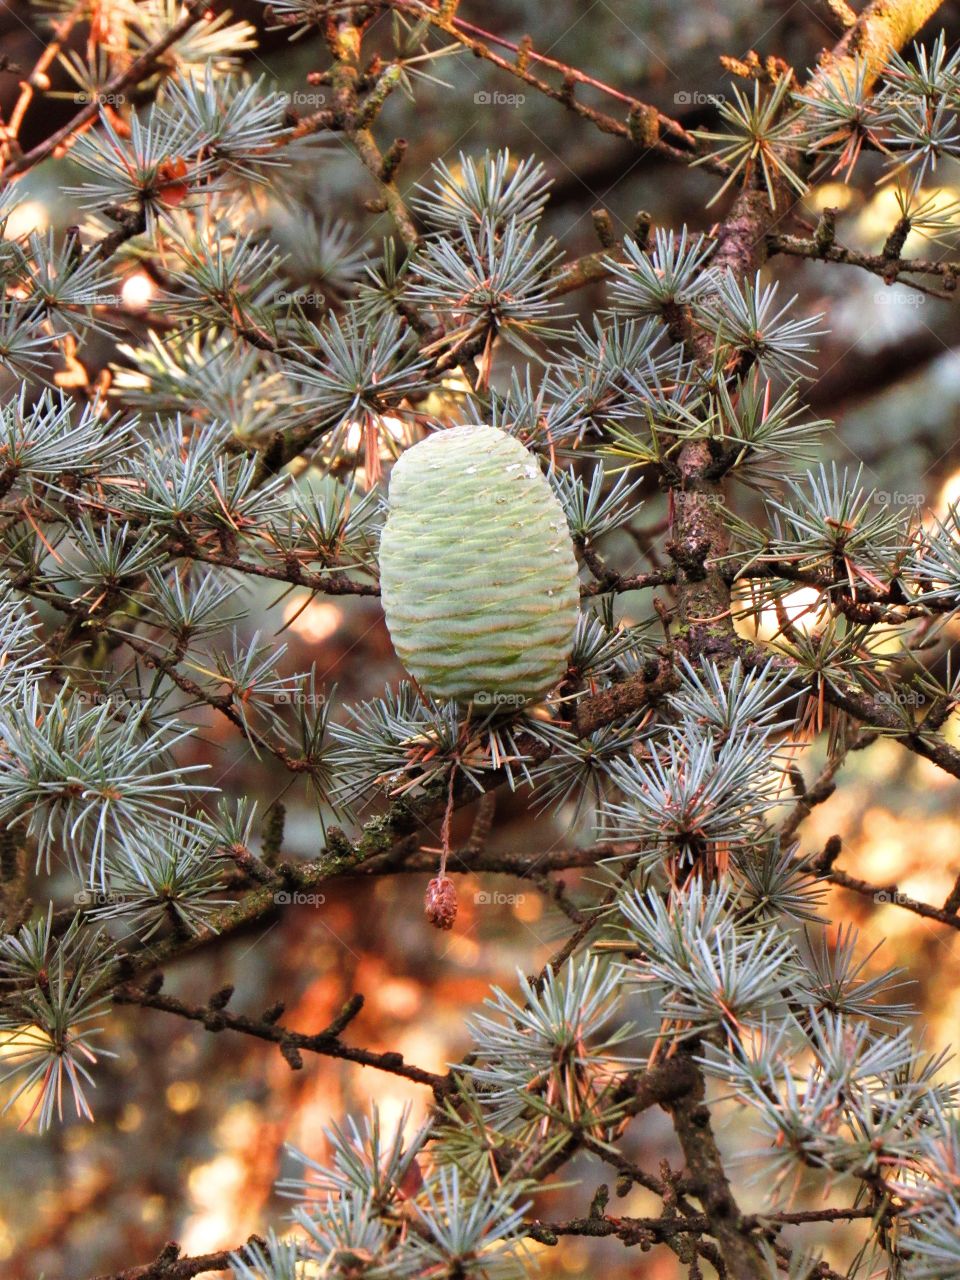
(282, 365)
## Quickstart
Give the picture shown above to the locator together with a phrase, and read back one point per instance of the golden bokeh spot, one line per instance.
(183, 1095)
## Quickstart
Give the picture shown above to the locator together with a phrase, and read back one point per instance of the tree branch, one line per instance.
(139, 69)
(215, 1017)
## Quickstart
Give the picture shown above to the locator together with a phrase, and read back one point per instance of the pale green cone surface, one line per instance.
(477, 568)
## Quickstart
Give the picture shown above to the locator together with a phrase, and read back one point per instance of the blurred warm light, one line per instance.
(832, 195)
(574, 1256)
(238, 1126)
(393, 426)
(27, 1036)
(391, 1103)
(446, 398)
(800, 606)
(183, 1095)
(529, 907)
(325, 956)
(314, 622)
(401, 996)
(215, 1188)
(883, 848)
(137, 291)
(949, 493)
(428, 1046)
(929, 775)
(18, 1041)
(153, 1209)
(27, 217)
(463, 950)
(6, 1241)
(185, 1050)
(130, 1118)
(456, 381)
(928, 885)
(897, 846)
(881, 213)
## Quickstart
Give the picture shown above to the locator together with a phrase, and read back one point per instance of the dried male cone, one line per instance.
(440, 903)
(477, 569)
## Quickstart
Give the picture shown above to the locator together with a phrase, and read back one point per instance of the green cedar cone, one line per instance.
(477, 569)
